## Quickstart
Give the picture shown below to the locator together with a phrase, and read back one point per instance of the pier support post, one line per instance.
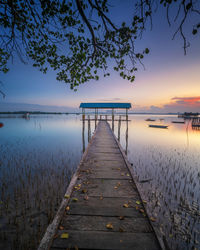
(126, 151)
(89, 129)
(113, 120)
(127, 114)
(83, 133)
(96, 117)
(119, 127)
(83, 114)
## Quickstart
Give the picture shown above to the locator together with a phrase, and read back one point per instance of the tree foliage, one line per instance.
(78, 38)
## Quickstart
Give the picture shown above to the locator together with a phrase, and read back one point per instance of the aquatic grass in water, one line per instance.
(171, 188)
(167, 166)
(35, 170)
(38, 157)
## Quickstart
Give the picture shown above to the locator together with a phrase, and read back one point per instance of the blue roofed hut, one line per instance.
(104, 105)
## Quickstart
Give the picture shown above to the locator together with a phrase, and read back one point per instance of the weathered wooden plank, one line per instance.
(98, 223)
(112, 164)
(106, 206)
(106, 240)
(107, 188)
(108, 174)
(104, 211)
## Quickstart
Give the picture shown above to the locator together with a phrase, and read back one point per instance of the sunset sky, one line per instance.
(169, 83)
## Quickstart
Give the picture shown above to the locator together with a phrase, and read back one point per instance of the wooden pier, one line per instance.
(196, 123)
(102, 208)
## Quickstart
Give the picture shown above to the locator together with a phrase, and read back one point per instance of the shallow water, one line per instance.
(38, 157)
(167, 167)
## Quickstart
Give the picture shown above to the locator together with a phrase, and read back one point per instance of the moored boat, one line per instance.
(150, 120)
(178, 122)
(158, 126)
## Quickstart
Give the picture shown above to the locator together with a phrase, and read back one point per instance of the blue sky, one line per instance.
(168, 76)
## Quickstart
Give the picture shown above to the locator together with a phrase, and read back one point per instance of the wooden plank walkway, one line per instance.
(102, 207)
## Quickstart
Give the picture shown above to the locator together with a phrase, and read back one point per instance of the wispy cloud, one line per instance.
(109, 100)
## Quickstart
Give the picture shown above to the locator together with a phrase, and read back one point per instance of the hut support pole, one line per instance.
(95, 118)
(113, 120)
(89, 129)
(119, 127)
(126, 151)
(83, 131)
(83, 114)
(127, 114)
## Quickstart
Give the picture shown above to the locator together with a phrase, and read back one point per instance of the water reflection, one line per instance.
(38, 157)
(166, 163)
(37, 160)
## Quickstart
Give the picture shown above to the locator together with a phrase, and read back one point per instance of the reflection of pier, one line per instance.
(104, 117)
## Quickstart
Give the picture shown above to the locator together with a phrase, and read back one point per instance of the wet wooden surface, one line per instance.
(104, 210)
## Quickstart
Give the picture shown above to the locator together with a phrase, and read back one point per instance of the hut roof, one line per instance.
(106, 105)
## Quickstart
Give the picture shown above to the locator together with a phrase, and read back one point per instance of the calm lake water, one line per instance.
(38, 157)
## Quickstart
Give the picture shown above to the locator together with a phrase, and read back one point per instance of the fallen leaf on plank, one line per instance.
(153, 219)
(86, 197)
(64, 236)
(126, 205)
(109, 226)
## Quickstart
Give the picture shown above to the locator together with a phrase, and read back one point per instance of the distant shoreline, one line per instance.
(77, 113)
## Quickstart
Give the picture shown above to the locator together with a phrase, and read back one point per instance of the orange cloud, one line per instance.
(194, 100)
(177, 104)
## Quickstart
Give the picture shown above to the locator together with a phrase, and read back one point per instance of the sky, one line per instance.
(170, 81)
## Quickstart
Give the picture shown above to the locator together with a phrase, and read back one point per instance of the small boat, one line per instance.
(150, 120)
(1, 124)
(26, 116)
(157, 126)
(178, 122)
